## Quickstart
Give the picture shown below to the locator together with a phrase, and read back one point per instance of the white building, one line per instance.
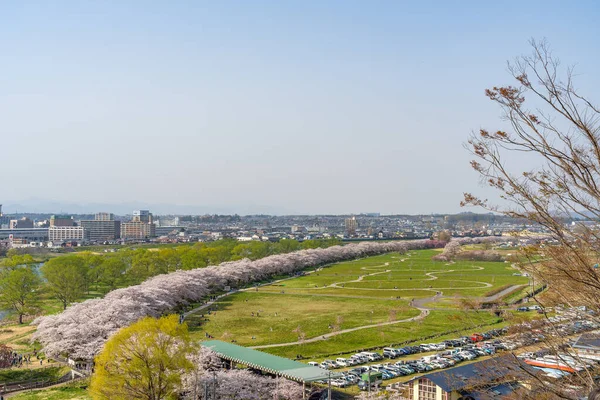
(57, 234)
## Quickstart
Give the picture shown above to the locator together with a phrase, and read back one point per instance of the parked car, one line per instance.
(341, 362)
(390, 352)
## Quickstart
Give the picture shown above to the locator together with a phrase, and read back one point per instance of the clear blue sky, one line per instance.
(291, 106)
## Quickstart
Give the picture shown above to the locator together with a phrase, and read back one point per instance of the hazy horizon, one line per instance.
(297, 108)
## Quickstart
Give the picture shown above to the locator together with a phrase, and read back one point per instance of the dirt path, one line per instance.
(423, 314)
(360, 278)
(503, 293)
(420, 303)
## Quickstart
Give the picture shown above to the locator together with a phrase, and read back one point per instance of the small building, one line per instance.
(270, 364)
(588, 346)
(473, 380)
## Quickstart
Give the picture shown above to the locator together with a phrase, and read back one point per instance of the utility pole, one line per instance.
(369, 383)
(329, 387)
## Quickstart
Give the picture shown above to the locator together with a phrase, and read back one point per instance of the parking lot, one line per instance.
(391, 363)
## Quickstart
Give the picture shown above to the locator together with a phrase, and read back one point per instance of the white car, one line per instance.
(342, 362)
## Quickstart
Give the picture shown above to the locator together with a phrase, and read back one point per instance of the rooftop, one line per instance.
(503, 368)
(590, 341)
(269, 363)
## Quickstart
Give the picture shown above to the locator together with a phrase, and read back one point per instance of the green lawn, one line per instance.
(409, 276)
(357, 293)
(73, 391)
(279, 315)
(23, 374)
(437, 322)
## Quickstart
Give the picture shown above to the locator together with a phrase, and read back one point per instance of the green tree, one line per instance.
(65, 278)
(17, 260)
(93, 269)
(18, 290)
(112, 270)
(143, 361)
(288, 245)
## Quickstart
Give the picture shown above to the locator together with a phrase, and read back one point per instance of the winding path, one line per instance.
(416, 303)
(423, 314)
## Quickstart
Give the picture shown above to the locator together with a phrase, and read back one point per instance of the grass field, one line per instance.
(369, 291)
(409, 276)
(73, 391)
(279, 318)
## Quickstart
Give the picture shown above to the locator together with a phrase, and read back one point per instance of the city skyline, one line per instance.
(281, 109)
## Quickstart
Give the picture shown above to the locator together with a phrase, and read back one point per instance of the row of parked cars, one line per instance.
(449, 352)
(392, 353)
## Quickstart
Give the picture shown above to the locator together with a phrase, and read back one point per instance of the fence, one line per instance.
(33, 384)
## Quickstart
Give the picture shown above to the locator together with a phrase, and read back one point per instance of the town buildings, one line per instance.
(502, 374)
(588, 346)
(59, 234)
(140, 227)
(61, 220)
(351, 226)
(22, 223)
(102, 228)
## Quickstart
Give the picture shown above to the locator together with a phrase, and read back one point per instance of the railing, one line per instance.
(33, 384)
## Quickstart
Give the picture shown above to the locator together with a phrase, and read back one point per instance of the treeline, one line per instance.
(70, 278)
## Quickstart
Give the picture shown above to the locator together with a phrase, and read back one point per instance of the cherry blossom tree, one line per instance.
(209, 378)
(81, 330)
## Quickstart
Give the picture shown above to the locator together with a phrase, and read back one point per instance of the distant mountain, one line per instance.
(49, 206)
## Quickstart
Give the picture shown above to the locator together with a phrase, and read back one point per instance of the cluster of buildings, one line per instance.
(61, 230)
(104, 227)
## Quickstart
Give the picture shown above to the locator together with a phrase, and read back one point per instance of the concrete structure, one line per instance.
(30, 234)
(23, 223)
(142, 216)
(351, 225)
(103, 228)
(140, 227)
(501, 374)
(270, 364)
(588, 346)
(59, 234)
(137, 230)
(61, 220)
(104, 216)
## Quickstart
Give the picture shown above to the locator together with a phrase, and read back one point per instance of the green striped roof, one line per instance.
(269, 363)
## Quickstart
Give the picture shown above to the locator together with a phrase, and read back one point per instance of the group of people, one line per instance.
(18, 359)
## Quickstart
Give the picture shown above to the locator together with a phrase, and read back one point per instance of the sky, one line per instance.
(289, 107)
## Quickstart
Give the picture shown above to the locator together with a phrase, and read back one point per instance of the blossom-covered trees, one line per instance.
(452, 250)
(6, 356)
(219, 384)
(82, 328)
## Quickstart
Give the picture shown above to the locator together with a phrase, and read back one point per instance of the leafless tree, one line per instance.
(550, 124)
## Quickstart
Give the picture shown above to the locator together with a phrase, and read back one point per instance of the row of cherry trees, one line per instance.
(83, 328)
(453, 248)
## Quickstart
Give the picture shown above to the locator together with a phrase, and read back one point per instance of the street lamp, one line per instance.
(329, 386)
